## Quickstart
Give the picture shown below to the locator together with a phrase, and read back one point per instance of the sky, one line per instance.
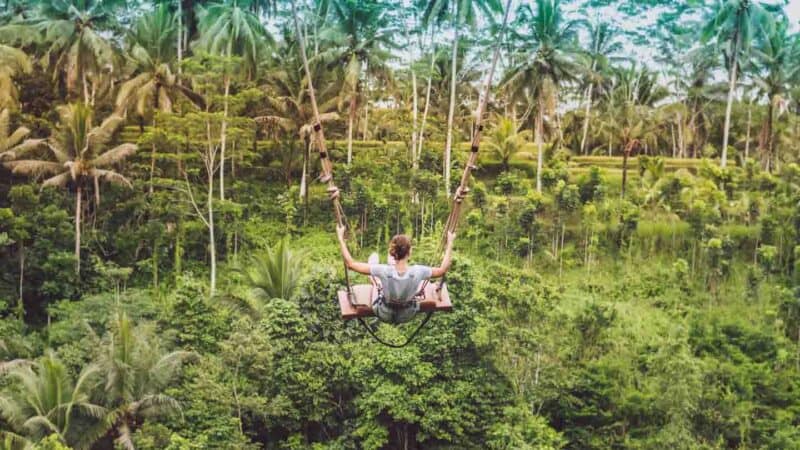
(793, 9)
(647, 55)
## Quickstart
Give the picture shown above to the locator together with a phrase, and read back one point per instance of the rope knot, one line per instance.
(461, 194)
(333, 192)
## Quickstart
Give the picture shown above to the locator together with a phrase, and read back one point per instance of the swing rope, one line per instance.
(319, 140)
(408, 340)
(327, 166)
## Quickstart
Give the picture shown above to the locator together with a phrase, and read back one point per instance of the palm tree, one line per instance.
(289, 107)
(601, 47)
(699, 93)
(733, 24)
(776, 63)
(274, 273)
(358, 42)
(43, 400)
(461, 12)
(229, 28)
(13, 145)
(156, 86)
(629, 105)
(79, 149)
(75, 43)
(136, 373)
(506, 141)
(549, 54)
(12, 62)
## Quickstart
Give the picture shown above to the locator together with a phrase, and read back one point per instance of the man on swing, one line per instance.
(399, 282)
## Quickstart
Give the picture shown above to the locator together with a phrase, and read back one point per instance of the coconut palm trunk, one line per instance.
(212, 246)
(224, 128)
(766, 137)
(674, 143)
(414, 114)
(729, 106)
(366, 121)
(85, 83)
(747, 138)
(350, 120)
(539, 144)
(96, 182)
(427, 107)
(452, 109)
(681, 140)
(588, 111)
(78, 206)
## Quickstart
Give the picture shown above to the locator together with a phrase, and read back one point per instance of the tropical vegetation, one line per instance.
(626, 269)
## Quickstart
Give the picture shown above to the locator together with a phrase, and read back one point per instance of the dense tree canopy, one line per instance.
(626, 271)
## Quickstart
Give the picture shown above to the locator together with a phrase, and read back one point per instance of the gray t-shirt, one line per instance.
(397, 287)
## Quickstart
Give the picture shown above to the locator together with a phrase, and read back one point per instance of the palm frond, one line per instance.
(22, 149)
(13, 441)
(155, 404)
(37, 424)
(60, 180)
(7, 366)
(115, 155)
(110, 176)
(33, 167)
(101, 135)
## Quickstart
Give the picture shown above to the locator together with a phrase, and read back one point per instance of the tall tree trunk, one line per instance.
(78, 206)
(351, 118)
(414, 114)
(452, 109)
(539, 144)
(306, 149)
(366, 118)
(427, 106)
(625, 154)
(693, 128)
(586, 119)
(304, 180)
(729, 106)
(152, 156)
(85, 83)
(672, 135)
(212, 245)
(747, 139)
(589, 90)
(765, 144)
(224, 128)
(96, 200)
(681, 140)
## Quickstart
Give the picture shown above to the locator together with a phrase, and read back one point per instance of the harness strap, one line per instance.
(392, 344)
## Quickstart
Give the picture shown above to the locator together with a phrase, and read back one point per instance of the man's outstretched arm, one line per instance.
(360, 267)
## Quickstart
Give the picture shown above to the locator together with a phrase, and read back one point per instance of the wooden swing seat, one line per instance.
(365, 294)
